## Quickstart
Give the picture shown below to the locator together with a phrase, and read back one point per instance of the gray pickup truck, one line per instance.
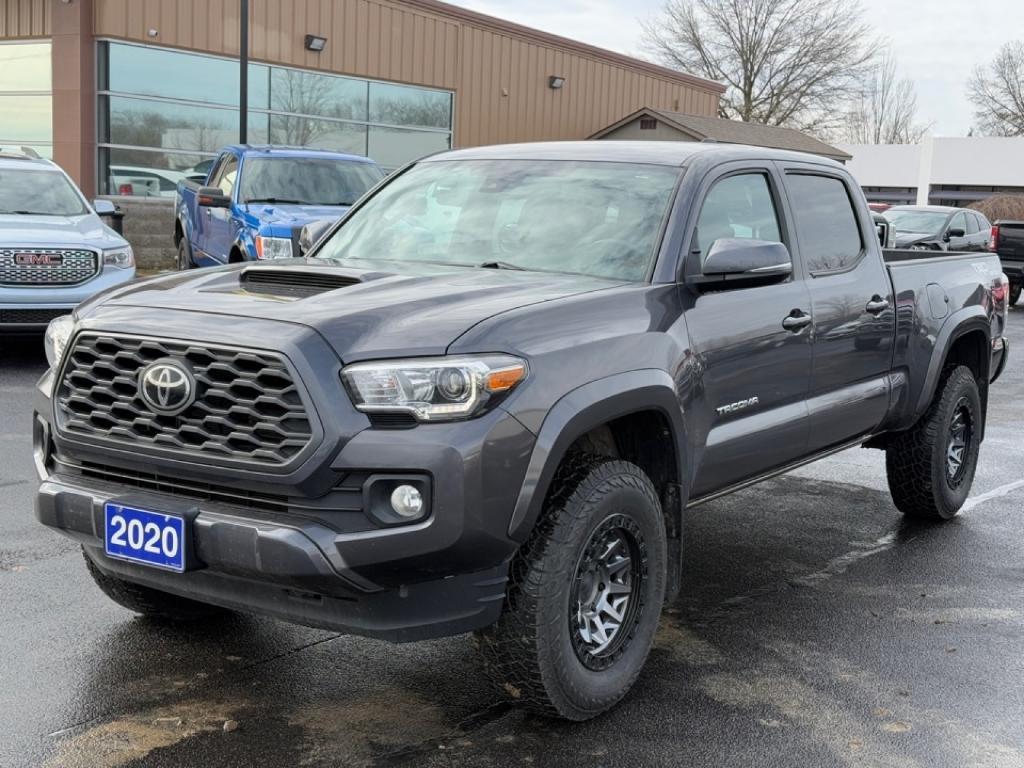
(487, 397)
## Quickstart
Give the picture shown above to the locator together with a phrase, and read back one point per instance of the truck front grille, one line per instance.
(36, 317)
(47, 266)
(248, 408)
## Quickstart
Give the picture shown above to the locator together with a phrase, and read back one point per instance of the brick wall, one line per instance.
(149, 227)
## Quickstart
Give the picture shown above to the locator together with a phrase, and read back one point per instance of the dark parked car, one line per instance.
(486, 398)
(1008, 242)
(939, 228)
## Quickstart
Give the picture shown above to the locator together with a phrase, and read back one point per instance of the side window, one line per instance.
(959, 221)
(973, 227)
(737, 207)
(226, 175)
(827, 224)
(983, 223)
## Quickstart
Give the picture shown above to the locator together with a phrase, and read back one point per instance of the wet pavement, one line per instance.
(816, 628)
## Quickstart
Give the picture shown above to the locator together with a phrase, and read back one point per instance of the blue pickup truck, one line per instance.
(256, 200)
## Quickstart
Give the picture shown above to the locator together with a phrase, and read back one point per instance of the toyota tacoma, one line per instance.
(486, 398)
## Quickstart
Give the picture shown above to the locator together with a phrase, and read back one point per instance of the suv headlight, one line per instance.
(56, 339)
(273, 247)
(119, 257)
(433, 389)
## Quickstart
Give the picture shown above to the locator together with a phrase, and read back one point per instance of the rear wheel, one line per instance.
(931, 466)
(1015, 289)
(585, 594)
(184, 255)
(151, 602)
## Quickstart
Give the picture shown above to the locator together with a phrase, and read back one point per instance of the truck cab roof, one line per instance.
(276, 150)
(674, 153)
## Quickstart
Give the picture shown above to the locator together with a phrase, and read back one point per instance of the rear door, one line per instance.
(851, 302)
(750, 414)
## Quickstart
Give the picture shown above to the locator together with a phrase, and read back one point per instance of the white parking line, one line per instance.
(1002, 490)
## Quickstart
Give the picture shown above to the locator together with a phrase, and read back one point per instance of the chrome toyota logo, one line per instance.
(167, 387)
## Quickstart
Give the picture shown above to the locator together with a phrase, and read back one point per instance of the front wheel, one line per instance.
(585, 594)
(931, 466)
(151, 602)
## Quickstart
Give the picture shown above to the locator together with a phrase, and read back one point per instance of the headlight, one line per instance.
(56, 340)
(119, 257)
(433, 389)
(273, 247)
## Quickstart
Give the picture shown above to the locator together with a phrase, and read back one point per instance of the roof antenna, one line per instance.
(29, 152)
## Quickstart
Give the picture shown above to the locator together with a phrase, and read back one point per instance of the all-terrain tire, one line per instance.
(151, 602)
(529, 654)
(916, 461)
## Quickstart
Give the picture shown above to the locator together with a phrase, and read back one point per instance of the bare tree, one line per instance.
(785, 62)
(997, 92)
(884, 110)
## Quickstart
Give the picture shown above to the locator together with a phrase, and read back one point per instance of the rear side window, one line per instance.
(827, 225)
(737, 207)
(973, 227)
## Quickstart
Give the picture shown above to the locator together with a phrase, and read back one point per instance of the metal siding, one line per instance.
(391, 40)
(25, 19)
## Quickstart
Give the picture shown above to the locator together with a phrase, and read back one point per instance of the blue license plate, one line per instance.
(141, 536)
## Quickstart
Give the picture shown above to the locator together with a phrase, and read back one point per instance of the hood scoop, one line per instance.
(293, 283)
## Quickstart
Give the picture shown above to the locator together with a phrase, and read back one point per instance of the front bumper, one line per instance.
(329, 566)
(31, 307)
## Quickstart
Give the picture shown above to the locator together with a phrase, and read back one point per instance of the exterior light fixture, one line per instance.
(315, 43)
(152, 32)
(555, 82)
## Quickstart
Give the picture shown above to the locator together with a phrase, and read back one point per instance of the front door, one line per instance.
(218, 236)
(749, 414)
(852, 304)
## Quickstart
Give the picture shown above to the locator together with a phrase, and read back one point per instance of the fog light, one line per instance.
(407, 501)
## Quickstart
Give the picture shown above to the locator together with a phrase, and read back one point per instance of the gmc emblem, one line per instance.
(38, 259)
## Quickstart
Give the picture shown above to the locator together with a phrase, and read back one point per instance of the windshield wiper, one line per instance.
(32, 213)
(501, 265)
(276, 200)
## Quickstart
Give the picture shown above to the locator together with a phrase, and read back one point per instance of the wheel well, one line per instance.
(178, 232)
(236, 256)
(972, 350)
(645, 438)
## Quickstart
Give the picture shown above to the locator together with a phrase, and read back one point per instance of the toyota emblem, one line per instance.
(167, 387)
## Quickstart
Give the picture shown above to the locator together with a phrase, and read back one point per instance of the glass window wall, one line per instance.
(26, 101)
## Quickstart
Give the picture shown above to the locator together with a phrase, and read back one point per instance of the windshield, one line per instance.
(918, 222)
(591, 218)
(306, 180)
(39, 192)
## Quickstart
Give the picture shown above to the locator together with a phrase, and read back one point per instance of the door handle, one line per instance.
(877, 304)
(796, 321)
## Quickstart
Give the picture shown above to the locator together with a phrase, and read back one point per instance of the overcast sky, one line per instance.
(937, 42)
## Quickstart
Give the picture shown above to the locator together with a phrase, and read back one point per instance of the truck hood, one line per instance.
(386, 309)
(57, 231)
(292, 215)
(905, 239)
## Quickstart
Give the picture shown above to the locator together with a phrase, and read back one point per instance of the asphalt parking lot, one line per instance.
(815, 628)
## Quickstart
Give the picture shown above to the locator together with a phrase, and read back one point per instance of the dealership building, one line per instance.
(128, 95)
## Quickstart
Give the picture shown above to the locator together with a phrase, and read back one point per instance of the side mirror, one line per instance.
(737, 262)
(212, 197)
(954, 232)
(311, 234)
(104, 207)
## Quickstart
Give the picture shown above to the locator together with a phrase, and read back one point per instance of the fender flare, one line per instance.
(580, 411)
(961, 322)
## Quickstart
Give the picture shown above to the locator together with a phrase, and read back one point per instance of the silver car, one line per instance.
(55, 251)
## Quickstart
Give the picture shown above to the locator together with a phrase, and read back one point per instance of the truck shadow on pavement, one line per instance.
(769, 640)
